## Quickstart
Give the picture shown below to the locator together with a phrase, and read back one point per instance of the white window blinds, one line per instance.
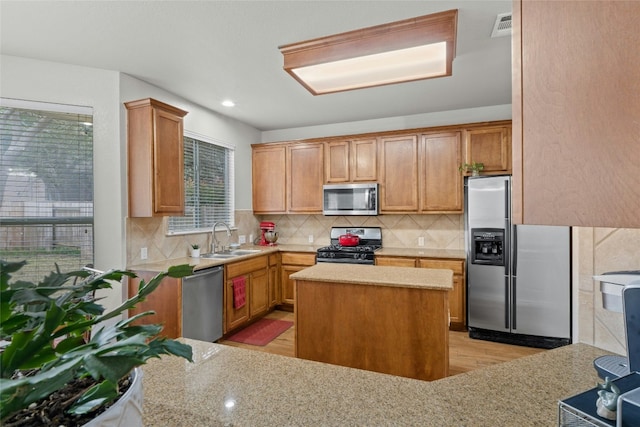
(46, 186)
(209, 185)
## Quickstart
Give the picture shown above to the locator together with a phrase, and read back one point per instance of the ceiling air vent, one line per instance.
(502, 27)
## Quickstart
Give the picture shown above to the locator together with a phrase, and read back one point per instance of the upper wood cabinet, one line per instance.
(351, 161)
(440, 179)
(268, 166)
(398, 157)
(490, 146)
(575, 113)
(420, 173)
(155, 158)
(305, 167)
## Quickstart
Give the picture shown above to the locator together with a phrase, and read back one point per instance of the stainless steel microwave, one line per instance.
(350, 199)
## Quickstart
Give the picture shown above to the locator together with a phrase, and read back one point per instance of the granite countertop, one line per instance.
(238, 387)
(406, 277)
(202, 263)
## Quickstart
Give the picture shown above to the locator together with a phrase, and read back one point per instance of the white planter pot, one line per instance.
(127, 411)
(195, 253)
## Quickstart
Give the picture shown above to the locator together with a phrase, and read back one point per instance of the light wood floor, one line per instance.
(465, 354)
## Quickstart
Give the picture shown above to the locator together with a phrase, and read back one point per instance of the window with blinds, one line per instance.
(208, 185)
(46, 186)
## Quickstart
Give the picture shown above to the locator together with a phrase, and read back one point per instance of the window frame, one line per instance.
(230, 186)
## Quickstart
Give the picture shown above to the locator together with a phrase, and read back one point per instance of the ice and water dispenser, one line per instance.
(488, 246)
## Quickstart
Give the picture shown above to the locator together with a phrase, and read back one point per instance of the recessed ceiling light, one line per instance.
(228, 103)
(412, 49)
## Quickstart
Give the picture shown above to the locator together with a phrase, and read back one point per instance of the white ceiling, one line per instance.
(206, 51)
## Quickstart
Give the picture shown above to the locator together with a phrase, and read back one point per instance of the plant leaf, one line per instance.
(95, 397)
(111, 368)
(18, 394)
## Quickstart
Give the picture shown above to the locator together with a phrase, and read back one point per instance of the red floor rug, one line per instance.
(262, 332)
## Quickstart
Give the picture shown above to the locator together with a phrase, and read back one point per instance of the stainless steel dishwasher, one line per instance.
(202, 301)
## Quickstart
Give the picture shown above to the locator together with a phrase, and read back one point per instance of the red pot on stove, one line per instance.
(348, 240)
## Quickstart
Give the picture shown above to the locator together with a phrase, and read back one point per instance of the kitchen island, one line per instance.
(393, 320)
(232, 386)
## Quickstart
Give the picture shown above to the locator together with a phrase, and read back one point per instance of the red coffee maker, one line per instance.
(268, 236)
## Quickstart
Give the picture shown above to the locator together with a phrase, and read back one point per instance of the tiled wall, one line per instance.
(398, 231)
(439, 232)
(596, 251)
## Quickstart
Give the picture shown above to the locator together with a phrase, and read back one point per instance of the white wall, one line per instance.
(471, 115)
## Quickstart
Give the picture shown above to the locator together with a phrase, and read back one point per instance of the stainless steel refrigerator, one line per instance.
(518, 277)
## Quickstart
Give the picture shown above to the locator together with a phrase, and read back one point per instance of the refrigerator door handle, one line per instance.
(514, 276)
(514, 259)
(514, 326)
(506, 302)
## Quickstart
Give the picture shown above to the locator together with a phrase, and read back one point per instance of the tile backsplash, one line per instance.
(596, 251)
(402, 231)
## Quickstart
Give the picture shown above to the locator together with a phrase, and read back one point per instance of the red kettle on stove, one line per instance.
(348, 240)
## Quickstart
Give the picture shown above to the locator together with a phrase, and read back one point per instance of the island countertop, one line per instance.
(238, 387)
(377, 275)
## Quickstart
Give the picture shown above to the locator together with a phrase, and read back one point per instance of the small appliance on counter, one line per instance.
(351, 245)
(268, 234)
(620, 293)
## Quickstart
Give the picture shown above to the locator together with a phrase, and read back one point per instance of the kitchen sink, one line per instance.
(231, 254)
(245, 251)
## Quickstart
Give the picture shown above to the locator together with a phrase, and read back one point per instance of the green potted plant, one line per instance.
(54, 369)
(195, 251)
(474, 168)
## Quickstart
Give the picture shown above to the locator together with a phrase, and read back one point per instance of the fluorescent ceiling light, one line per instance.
(228, 103)
(413, 49)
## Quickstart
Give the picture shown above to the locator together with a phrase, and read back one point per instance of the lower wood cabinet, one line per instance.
(256, 274)
(274, 280)
(457, 297)
(165, 300)
(291, 263)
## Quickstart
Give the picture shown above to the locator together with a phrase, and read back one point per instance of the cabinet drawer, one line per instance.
(456, 266)
(298, 258)
(247, 266)
(274, 259)
(394, 261)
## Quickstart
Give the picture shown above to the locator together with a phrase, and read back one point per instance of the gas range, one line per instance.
(363, 253)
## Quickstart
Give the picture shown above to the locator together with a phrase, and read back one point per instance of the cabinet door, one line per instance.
(575, 116)
(269, 179)
(288, 288)
(364, 163)
(274, 286)
(398, 174)
(155, 159)
(491, 147)
(236, 317)
(165, 300)
(337, 161)
(441, 181)
(259, 294)
(457, 296)
(168, 153)
(306, 177)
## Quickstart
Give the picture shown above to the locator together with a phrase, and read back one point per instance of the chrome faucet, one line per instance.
(214, 241)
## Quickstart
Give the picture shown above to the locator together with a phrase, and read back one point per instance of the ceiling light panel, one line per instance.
(412, 49)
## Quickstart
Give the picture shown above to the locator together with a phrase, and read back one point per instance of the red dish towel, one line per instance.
(239, 292)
